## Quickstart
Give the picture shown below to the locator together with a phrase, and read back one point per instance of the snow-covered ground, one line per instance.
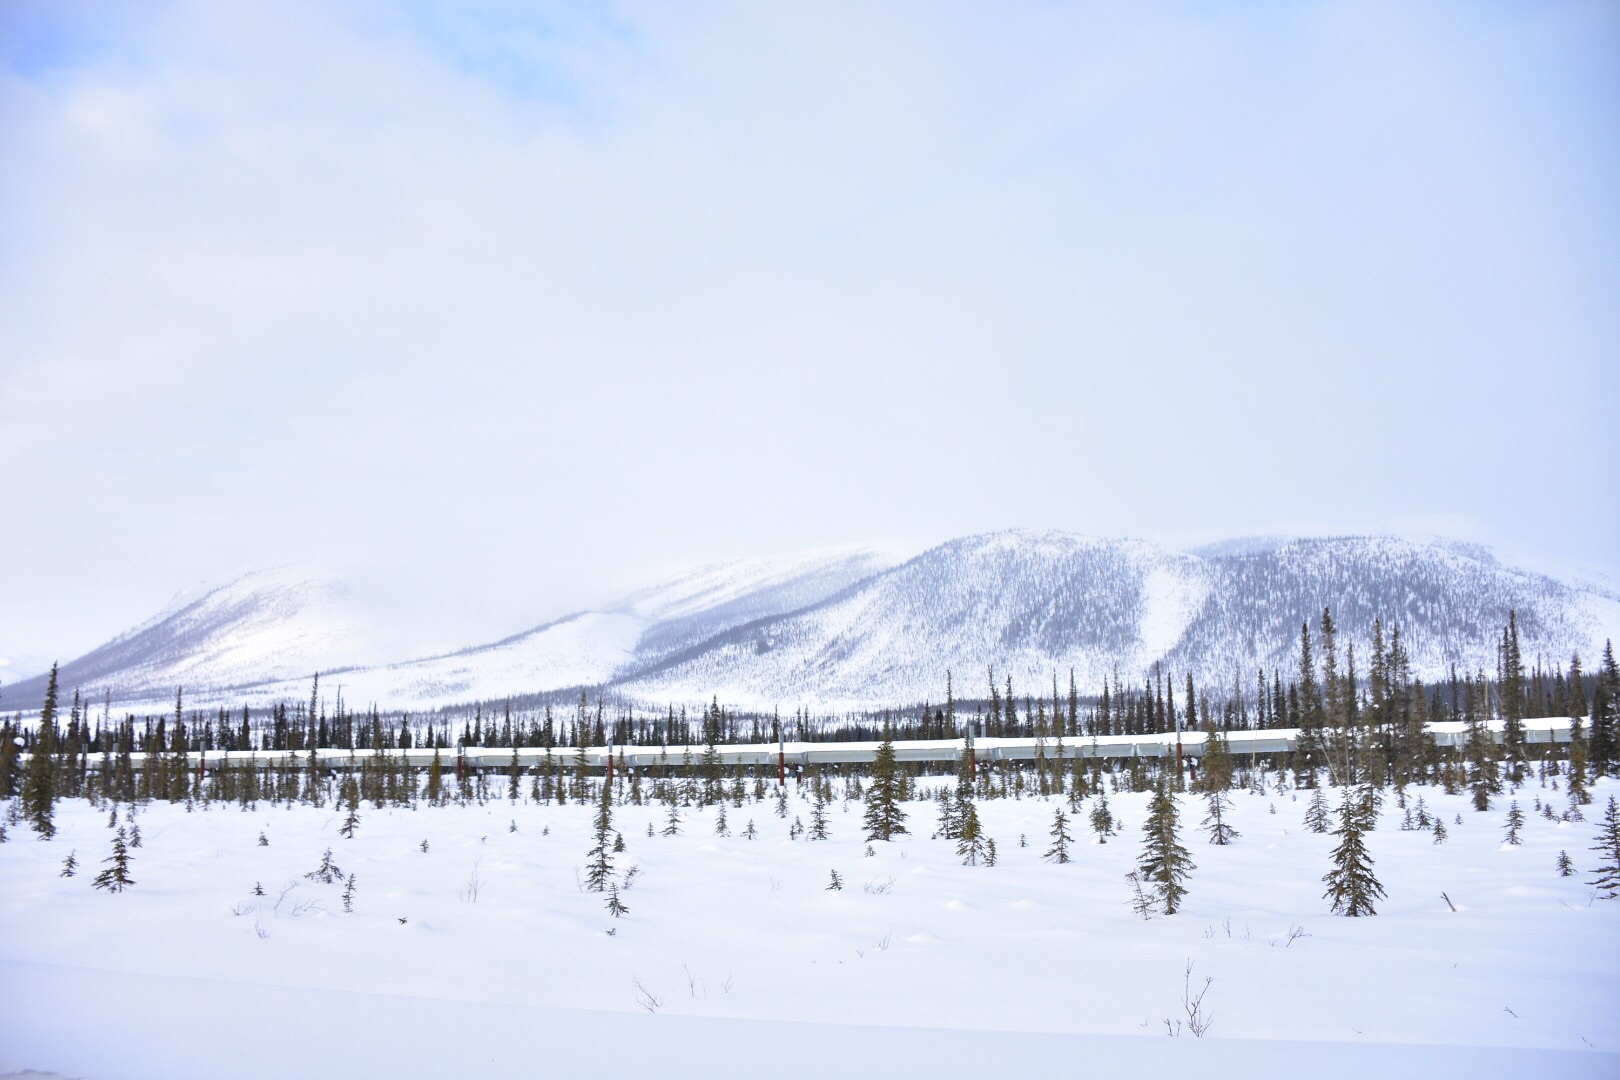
(483, 952)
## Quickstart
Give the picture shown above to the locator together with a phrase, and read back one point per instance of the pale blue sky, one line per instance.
(510, 305)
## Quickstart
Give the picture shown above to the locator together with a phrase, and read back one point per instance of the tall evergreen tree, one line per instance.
(1608, 849)
(1604, 744)
(885, 819)
(1511, 699)
(39, 783)
(600, 871)
(1164, 864)
(1308, 717)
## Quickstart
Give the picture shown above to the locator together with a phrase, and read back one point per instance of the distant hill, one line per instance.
(855, 628)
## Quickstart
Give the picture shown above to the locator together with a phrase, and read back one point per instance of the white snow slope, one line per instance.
(484, 953)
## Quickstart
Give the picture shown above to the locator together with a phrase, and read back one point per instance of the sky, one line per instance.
(499, 309)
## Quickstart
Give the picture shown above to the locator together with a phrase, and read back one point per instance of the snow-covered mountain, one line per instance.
(260, 638)
(266, 625)
(857, 627)
(1037, 604)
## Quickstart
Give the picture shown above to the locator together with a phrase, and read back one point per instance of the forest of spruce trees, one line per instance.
(1361, 734)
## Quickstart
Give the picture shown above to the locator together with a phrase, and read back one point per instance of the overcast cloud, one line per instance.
(503, 308)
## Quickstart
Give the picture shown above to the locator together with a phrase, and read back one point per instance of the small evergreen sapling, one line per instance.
(1141, 901)
(1515, 822)
(327, 872)
(1566, 865)
(70, 865)
(348, 894)
(836, 884)
(116, 877)
(1220, 833)
(264, 841)
(818, 816)
(1317, 818)
(1059, 851)
(1351, 884)
(971, 843)
(616, 907)
(1102, 819)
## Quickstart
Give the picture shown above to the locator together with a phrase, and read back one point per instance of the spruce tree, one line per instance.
(971, 844)
(818, 815)
(1164, 864)
(116, 877)
(351, 822)
(1351, 884)
(70, 865)
(1316, 814)
(1059, 851)
(1565, 865)
(1220, 833)
(948, 819)
(600, 871)
(1515, 822)
(1216, 761)
(616, 907)
(835, 884)
(1608, 849)
(1102, 819)
(1605, 742)
(884, 817)
(39, 783)
(327, 872)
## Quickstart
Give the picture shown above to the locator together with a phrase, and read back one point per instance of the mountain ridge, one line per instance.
(858, 627)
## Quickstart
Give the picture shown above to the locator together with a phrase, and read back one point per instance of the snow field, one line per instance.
(739, 940)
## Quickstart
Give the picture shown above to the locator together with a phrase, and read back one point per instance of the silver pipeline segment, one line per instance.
(763, 755)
